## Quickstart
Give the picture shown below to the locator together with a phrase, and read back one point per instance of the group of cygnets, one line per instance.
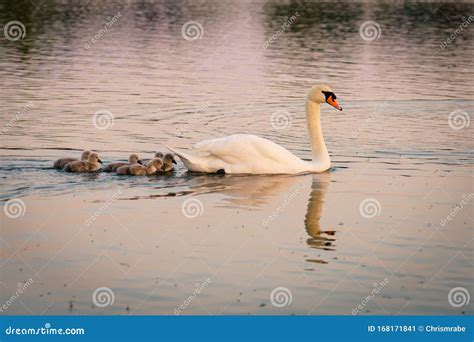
(90, 162)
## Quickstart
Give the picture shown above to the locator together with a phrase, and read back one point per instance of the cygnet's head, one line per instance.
(159, 154)
(134, 159)
(156, 163)
(169, 158)
(323, 94)
(94, 158)
(85, 155)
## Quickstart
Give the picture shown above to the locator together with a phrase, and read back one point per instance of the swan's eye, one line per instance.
(329, 94)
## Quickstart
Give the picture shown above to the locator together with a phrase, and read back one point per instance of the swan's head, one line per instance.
(323, 94)
(134, 159)
(94, 158)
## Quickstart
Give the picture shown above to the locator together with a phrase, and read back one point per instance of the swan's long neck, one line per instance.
(318, 146)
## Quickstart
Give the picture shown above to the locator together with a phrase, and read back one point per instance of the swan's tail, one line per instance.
(193, 162)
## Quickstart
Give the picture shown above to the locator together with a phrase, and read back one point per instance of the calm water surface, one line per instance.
(392, 145)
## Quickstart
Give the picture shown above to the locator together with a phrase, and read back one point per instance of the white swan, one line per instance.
(250, 154)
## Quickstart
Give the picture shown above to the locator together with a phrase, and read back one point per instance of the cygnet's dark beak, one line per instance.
(174, 162)
(140, 162)
(100, 161)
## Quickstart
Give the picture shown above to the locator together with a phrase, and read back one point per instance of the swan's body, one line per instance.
(61, 163)
(92, 164)
(154, 166)
(133, 159)
(250, 154)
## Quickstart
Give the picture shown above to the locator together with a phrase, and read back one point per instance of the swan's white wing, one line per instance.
(242, 153)
(243, 148)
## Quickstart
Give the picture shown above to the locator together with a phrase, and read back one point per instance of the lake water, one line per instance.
(388, 230)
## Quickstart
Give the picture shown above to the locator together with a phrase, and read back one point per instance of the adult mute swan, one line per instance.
(250, 154)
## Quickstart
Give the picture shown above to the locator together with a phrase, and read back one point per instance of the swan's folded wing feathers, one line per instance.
(233, 149)
(239, 148)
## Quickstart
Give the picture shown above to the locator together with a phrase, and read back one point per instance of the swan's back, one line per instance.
(237, 148)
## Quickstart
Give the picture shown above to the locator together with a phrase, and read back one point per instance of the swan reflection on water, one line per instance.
(256, 193)
(321, 239)
(274, 194)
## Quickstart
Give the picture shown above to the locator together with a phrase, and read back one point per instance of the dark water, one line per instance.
(404, 139)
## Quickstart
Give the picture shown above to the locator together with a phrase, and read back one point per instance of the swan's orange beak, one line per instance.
(333, 103)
